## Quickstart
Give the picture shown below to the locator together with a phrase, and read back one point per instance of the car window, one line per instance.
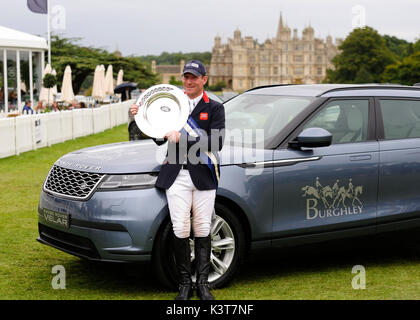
(401, 118)
(346, 120)
(266, 112)
(213, 96)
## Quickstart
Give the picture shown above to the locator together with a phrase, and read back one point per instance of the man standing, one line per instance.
(191, 183)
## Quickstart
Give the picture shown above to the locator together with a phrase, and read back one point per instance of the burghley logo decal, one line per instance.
(323, 202)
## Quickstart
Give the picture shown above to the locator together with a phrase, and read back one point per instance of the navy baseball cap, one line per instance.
(195, 67)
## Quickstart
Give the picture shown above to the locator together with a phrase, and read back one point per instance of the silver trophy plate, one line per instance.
(162, 108)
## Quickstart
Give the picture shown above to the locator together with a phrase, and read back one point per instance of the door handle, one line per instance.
(363, 157)
(277, 163)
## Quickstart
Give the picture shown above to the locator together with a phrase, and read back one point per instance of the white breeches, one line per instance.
(182, 197)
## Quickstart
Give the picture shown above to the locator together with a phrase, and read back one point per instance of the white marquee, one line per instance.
(11, 38)
(22, 61)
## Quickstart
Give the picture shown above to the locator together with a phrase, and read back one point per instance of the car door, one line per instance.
(399, 168)
(329, 188)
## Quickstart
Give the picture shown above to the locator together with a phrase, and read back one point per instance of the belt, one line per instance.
(184, 166)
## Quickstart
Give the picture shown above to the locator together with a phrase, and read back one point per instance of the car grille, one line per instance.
(71, 183)
(68, 242)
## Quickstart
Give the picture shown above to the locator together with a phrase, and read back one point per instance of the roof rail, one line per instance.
(268, 86)
(396, 87)
(416, 84)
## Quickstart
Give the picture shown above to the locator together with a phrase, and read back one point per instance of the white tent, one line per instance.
(67, 94)
(20, 46)
(17, 39)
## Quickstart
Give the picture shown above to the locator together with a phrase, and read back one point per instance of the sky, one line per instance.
(140, 27)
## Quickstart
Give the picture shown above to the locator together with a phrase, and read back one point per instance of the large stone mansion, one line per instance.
(243, 63)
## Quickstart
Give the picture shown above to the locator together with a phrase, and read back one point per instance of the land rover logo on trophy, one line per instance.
(165, 108)
(338, 200)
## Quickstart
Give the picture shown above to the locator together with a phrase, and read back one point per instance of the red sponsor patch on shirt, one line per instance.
(204, 116)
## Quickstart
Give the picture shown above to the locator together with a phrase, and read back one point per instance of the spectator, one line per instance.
(40, 107)
(13, 100)
(13, 97)
(2, 98)
(27, 107)
(82, 105)
(73, 105)
(55, 106)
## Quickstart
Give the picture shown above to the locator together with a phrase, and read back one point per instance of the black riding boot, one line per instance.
(183, 264)
(202, 257)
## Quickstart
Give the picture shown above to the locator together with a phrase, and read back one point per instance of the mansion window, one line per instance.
(275, 58)
(320, 71)
(252, 59)
(264, 70)
(298, 59)
(298, 70)
(252, 71)
(275, 71)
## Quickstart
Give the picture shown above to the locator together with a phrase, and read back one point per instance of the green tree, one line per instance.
(176, 57)
(400, 47)
(49, 81)
(364, 57)
(175, 82)
(363, 76)
(405, 72)
(218, 86)
(416, 46)
(83, 61)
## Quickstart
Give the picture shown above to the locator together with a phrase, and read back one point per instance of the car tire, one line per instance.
(228, 250)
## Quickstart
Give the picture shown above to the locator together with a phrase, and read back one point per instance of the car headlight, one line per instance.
(128, 181)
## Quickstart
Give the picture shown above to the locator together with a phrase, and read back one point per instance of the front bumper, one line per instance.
(117, 226)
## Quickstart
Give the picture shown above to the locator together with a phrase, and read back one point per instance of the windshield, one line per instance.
(265, 115)
(213, 96)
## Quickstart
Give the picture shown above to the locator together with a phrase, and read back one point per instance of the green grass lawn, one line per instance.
(312, 272)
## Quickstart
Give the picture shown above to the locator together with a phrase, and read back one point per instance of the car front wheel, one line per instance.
(227, 250)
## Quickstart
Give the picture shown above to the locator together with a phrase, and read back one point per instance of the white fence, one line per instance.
(29, 132)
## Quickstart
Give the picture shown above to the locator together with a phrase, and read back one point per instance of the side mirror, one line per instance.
(312, 138)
